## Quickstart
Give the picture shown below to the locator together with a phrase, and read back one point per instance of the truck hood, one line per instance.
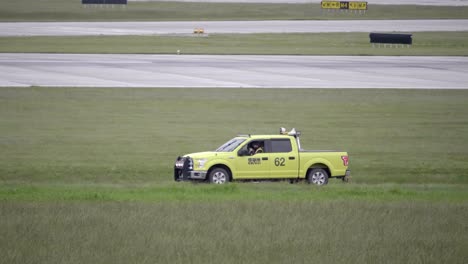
(201, 155)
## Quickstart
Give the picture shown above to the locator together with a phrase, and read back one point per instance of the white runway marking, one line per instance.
(78, 70)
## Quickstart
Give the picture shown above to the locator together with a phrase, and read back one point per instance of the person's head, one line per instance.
(256, 145)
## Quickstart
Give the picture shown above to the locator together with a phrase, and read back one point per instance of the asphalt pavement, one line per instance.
(371, 2)
(225, 71)
(230, 27)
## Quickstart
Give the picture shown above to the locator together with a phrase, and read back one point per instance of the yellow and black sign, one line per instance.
(330, 4)
(357, 5)
(347, 5)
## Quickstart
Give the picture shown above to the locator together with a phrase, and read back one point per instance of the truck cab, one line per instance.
(263, 157)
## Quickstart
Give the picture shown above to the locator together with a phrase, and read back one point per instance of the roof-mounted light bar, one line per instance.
(293, 132)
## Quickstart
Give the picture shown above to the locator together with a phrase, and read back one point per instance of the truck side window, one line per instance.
(256, 147)
(281, 145)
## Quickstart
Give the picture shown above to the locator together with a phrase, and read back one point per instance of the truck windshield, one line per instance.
(230, 145)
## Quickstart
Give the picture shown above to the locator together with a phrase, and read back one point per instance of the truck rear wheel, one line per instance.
(317, 176)
(218, 176)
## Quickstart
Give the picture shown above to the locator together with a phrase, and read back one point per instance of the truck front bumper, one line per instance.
(183, 170)
(180, 175)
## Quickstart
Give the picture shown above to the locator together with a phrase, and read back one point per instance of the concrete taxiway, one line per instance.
(88, 70)
(373, 2)
(227, 27)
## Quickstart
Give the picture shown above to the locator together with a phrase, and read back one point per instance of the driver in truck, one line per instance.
(255, 148)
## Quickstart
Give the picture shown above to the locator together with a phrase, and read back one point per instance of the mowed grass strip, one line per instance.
(72, 10)
(132, 136)
(424, 43)
(248, 191)
(233, 232)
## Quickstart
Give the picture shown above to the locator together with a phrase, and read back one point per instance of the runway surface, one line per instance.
(245, 27)
(76, 70)
(371, 2)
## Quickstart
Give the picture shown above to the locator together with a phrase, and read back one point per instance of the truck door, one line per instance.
(284, 158)
(253, 163)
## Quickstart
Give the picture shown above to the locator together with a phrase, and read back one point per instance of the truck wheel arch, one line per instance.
(220, 166)
(318, 166)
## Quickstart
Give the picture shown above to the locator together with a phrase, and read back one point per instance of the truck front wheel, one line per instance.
(317, 176)
(218, 176)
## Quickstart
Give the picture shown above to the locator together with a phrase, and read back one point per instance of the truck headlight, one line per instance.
(201, 163)
(179, 164)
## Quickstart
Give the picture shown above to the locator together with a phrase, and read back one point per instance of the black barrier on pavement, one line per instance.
(104, 2)
(391, 38)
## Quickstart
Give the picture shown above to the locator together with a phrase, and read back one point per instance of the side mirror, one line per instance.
(243, 152)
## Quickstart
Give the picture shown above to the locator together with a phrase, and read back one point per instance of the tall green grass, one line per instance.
(72, 10)
(132, 136)
(233, 232)
(424, 43)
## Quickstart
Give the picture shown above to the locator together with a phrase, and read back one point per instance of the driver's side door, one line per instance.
(252, 166)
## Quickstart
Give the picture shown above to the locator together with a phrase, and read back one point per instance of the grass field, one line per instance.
(133, 135)
(233, 232)
(424, 43)
(86, 176)
(72, 10)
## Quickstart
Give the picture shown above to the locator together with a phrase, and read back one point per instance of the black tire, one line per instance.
(318, 177)
(218, 176)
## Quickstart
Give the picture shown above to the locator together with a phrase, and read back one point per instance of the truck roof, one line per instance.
(263, 136)
(282, 134)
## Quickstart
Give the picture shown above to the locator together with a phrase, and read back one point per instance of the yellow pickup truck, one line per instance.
(263, 157)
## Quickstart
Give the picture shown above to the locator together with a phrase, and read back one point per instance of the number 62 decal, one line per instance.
(279, 161)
